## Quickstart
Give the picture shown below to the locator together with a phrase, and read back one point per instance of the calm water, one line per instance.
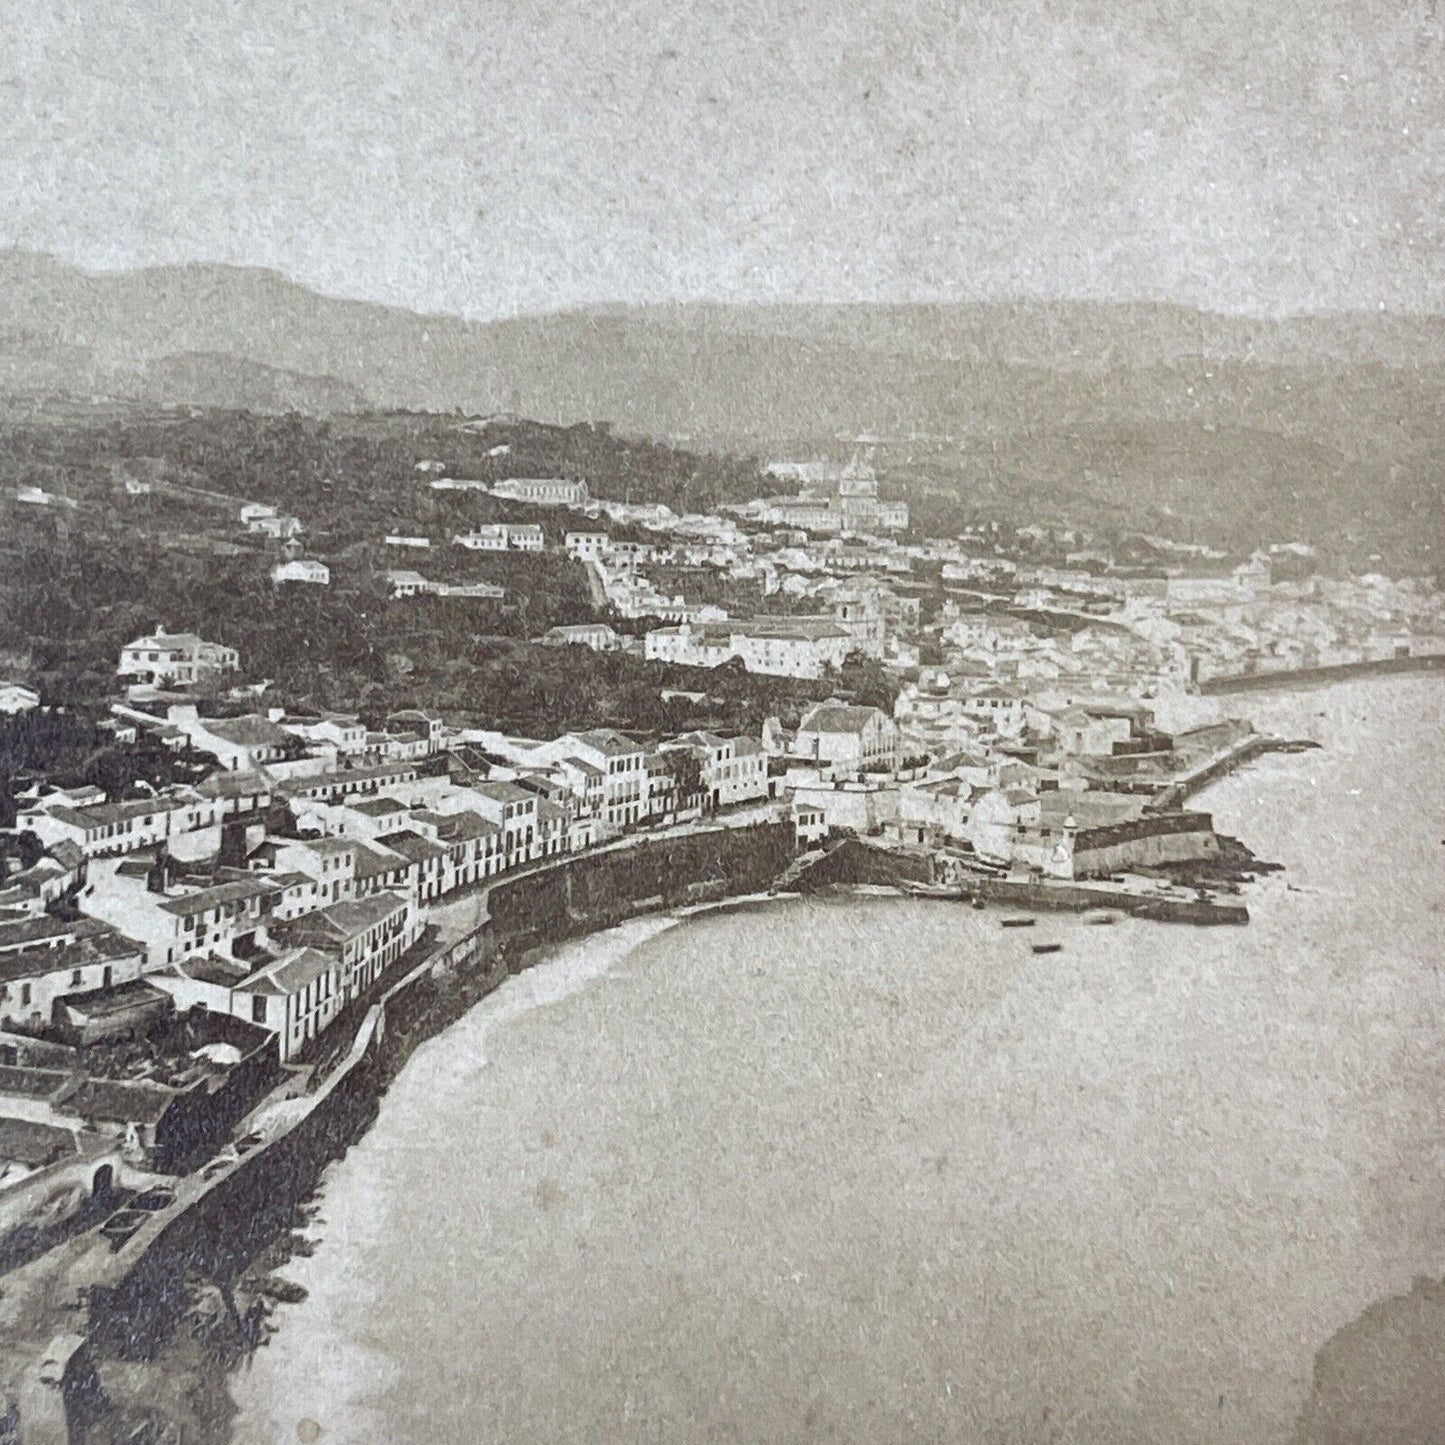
(869, 1170)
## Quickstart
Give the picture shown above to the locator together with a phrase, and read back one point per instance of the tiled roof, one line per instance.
(583, 766)
(121, 1102)
(837, 717)
(328, 847)
(373, 861)
(238, 891)
(504, 792)
(346, 919)
(377, 807)
(609, 742)
(412, 846)
(106, 946)
(34, 1145)
(464, 826)
(101, 815)
(38, 930)
(292, 880)
(247, 732)
(288, 974)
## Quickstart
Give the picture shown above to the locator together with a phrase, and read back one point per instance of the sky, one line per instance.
(489, 157)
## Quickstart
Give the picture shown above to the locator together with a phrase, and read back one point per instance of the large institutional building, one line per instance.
(833, 499)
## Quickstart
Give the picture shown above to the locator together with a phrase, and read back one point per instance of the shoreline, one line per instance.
(202, 1370)
(231, 1232)
(438, 991)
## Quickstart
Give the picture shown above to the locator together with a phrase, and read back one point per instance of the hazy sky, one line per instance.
(494, 156)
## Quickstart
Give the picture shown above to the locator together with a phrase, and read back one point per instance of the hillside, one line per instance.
(1333, 420)
(759, 370)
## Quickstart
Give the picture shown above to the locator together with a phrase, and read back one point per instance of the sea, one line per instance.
(869, 1170)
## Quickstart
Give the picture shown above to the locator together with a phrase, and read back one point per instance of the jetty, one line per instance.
(923, 874)
(1329, 672)
(1213, 768)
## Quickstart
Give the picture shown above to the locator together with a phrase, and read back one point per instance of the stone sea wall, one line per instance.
(220, 1225)
(1335, 672)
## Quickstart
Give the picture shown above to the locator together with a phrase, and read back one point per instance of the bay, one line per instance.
(869, 1170)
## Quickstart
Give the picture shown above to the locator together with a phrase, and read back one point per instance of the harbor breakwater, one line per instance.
(130, 1302)
(1330, 672)
(1234, 757)
(856, 862)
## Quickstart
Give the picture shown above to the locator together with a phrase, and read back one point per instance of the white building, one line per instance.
(542, 491)
(187, 822)
(405, 583)
(344, 732)
(483, 539)
(779, 646)
(622, 764)
(846, 741)
(596, 635)
(15, 697)
(302, 569)
(238, 744)
(586, 546)
(175, 659)
(734, 770)
(44, 960)
(834, 499)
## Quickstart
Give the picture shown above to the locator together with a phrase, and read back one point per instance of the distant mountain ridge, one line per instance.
(703, 368)
(1332, 424)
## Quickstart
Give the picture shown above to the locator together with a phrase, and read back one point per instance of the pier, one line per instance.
(1330, 672)
(943, 876)
(1216, 767)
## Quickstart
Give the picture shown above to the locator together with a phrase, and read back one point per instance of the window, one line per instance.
(24, 995)
(76, 976)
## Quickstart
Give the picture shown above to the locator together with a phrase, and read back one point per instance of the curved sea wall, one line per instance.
(219, 1226)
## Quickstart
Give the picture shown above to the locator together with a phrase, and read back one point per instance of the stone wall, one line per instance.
(220, 1224)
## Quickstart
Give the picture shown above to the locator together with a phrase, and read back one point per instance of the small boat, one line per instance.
(1048, 947)
(929, 890)
(978, 902)
(1018, 923)
(1102, 915)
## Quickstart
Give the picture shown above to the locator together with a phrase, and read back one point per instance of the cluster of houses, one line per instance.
(280, 888)
(1044, 604)
(262, 903)
(264, 521)
(1055, 785)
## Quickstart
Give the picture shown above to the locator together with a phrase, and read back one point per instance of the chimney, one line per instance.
(233, 844)
(158, 875)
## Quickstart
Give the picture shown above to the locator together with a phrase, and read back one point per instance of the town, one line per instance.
(204, 921)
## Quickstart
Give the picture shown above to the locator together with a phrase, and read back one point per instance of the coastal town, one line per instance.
(721, 725)
(187, 956)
